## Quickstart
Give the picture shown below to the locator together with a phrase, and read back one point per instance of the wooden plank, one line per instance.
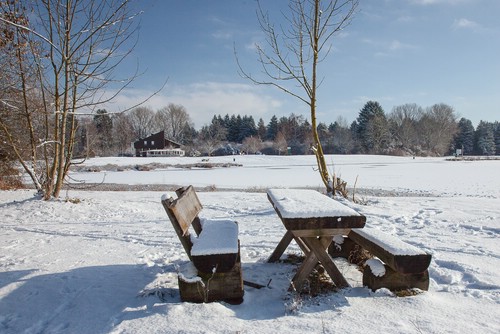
(226, 287)
(186, 207)
(304, 270)
(184, 238)
(301, 244)
(405, 264)
(319, 246)
(321, 232)
(313, 223)
(221, 263)
(395, 281)
(280, 249)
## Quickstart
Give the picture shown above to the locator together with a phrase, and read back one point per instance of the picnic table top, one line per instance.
(305, 203)
(309, 209)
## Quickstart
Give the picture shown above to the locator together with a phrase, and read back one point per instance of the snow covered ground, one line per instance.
(106, 261)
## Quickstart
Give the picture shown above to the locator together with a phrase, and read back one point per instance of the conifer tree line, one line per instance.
(407, 129)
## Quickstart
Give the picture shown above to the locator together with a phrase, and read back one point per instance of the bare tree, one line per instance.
(64, 58)
(342, 136)
(211, 137)
(403, 122)
(290, 60)
(123, 133)
(252, 144)
(174, 120)
(280, 144)
(437, 127)
(142, 120)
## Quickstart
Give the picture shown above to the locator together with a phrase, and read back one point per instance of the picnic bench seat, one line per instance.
(213, 251)
(397, 266)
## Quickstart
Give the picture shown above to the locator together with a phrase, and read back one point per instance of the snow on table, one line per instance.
(217, 237)
(305, 203)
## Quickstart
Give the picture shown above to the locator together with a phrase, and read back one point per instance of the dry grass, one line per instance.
(358, 256)
(408, 292)
(10, 179)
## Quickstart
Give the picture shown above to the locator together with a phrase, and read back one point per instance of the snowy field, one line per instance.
(106, 261)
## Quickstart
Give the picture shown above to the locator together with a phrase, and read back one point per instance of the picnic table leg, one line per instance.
(280, 249)
(318, 247)
(304, 270)
(302, 245)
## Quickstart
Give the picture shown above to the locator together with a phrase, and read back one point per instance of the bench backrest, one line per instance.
(183, 212)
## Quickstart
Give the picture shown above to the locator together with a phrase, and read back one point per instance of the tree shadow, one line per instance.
(8, 277)
(82, 300)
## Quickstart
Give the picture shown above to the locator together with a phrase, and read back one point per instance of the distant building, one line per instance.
(156, 145)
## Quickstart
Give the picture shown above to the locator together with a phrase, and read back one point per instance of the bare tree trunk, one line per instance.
(313, 24)
(79, 42)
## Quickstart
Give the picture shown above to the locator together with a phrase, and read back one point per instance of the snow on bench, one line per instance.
(397, 266)
(217, 237)
(397, 254)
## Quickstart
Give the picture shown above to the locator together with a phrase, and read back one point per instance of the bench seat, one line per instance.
(397, 254)
(216, 248)
(397, 266)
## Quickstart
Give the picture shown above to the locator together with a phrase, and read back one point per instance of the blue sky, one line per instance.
(394, 52)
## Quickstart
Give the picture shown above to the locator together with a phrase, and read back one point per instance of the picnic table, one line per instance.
(312, 220)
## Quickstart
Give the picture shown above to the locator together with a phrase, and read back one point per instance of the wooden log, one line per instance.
(226, 287)
(222, 263)
(319, 223)
(394, 280)
(410, 261)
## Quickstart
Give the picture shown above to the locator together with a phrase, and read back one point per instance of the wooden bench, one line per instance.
(213, 251)
(397, 266)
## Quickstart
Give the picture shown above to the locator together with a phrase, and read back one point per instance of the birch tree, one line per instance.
(291, 56)
(63, 58)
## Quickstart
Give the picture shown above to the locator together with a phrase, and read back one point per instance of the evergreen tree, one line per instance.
(226, 122)
(497, 137)
(261, 129)
(233, 134)
(248, 128)
(272, 128)
(485, 139)
(372, 129)
(464, 139)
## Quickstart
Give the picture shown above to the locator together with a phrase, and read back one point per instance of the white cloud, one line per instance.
(204, 100)
(221, 34)
(465, 24)
(405, 19)
(397, 45)
(385, 47)
(435, 2)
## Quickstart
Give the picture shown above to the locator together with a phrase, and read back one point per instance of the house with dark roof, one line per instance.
(157, 145)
